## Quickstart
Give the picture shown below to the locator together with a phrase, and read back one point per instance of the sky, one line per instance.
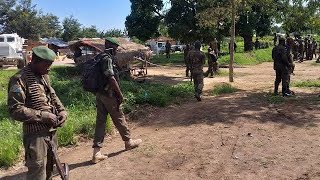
(104, 14)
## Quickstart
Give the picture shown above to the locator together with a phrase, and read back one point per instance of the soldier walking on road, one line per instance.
(282, 67)
(197, 58)
(33, 101)
(108, 101)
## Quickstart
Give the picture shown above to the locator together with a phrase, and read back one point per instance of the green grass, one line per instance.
(248, 58)
(175, 58)
(307, 83)
(274, 99)
(223, 88)
(81, 108)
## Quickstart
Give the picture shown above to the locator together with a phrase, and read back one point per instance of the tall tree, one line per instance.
(252, 17)
(23, 20)
(50, 26)
(144, 19)
(6, 8)
(89, 32)
(71, 28)
(296, 15)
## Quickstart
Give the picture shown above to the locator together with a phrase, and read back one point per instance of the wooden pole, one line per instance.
(232, 42)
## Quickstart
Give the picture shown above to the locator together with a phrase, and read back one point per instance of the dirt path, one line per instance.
(236, 136)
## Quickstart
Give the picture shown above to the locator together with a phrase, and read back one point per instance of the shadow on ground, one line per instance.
(296, 111)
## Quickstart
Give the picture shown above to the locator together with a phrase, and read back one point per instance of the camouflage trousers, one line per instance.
(198, 83)
(212, 68)
(108, 104)
(38, 156)
(282, 75)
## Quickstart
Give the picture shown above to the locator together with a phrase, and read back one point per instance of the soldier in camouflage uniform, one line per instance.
(109, 101)
(197, 58)
(314, 48)
(301, 50)
(185, 55)
(33, 101)
(212, 59)
(282, 66)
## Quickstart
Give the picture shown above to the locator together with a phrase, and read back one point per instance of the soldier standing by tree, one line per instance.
(33, 101)
(197, 58)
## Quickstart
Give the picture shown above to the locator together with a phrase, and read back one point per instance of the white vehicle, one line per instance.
(11, 50)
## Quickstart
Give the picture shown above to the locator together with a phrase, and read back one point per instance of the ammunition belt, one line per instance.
(35, 102)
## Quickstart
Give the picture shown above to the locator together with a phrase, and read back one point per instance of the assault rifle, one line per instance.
(63, 168)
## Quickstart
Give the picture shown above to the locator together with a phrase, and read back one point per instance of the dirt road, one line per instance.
(236, 136)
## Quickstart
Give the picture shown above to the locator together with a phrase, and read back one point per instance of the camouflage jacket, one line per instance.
(196, 59)
(281, 56)
(28, 96)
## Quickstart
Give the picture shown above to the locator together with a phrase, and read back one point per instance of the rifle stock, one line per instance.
(63, 168)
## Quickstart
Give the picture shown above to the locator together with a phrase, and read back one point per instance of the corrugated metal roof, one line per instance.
(56, 42)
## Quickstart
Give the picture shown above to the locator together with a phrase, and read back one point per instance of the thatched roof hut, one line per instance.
(126, 51)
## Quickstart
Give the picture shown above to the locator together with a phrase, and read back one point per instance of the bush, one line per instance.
(223, 88)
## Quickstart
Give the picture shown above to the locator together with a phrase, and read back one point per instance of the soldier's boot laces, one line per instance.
(98, 156)
(132, 143)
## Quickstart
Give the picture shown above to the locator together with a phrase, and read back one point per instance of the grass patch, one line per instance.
(248, 58)
(175, 58)
(274, 99)
(80, 106)
(307, 83)
(223, 88)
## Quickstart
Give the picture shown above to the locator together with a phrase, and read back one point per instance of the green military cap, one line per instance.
(44, 52)
(113, 41)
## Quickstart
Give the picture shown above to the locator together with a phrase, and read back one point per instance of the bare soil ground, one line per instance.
(236, 136)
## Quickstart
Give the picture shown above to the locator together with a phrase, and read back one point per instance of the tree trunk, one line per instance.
(247, 42)
(232, 43)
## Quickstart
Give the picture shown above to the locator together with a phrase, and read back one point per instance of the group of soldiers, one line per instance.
(285, 53)
(194, 60)
(302, 49)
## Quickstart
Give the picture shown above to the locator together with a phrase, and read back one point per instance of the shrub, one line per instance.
(223, 88)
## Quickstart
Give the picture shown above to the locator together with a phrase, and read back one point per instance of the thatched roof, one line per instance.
(126, 51)
(98, 45)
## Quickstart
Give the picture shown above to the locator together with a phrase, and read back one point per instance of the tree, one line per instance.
(89, 32)
(114, 33)
(297, 15)
(71, 28)
(22, 19)
(50, 26)
(6, 8)
(143, 21)
(252, 17)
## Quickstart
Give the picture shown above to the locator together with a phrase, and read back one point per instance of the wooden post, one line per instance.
(232, 42)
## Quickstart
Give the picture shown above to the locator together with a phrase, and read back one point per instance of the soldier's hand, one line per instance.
(62, 118)
(49, 118)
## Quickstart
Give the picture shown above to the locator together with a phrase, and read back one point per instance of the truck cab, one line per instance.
(11, 50)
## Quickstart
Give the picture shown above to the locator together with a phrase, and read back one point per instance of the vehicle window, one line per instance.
(10, 39)
(1, 39)
(160, 45)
